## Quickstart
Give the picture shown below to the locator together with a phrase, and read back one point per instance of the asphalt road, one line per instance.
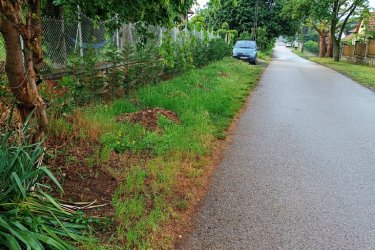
(300, 172)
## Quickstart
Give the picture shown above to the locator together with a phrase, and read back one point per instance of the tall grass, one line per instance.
(29, 217)
(162, 185)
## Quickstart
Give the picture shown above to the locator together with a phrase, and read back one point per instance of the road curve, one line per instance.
(300, 172)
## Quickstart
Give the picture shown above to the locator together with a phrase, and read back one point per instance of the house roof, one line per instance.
(348, 37)
(371, 24)
(359, 28)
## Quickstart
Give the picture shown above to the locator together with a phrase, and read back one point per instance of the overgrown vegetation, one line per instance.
(361, 73)
(29, 217)
(252, 20)
(155, 192)
(312, 47)
(133, 68)
(150, 175)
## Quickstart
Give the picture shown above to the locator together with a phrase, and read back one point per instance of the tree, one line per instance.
(22, 18)
(240, 17)
(333, 15)
(340, 12)
(314, 14)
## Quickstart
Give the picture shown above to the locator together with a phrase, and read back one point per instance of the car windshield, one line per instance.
(245, 45)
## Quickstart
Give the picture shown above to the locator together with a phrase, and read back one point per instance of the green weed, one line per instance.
(205, 101)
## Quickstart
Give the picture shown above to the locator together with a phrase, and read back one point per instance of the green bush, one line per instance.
(29, 217)
(218, 50)
(312, 46)
(134, 67)
(200, 51)
(245, 36)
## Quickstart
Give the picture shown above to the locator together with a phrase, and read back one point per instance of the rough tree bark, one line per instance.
(329, 45)
(322, 43)
(22, 66)
(322, 38)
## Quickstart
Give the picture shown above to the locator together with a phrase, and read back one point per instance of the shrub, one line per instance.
(133, 66)
(29, 217)
(312, 46)
(245, 36)
(219, 49)
(200, 51)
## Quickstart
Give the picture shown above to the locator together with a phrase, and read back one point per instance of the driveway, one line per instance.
(300, 172)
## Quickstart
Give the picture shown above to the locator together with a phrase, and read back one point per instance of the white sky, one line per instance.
(203, 2)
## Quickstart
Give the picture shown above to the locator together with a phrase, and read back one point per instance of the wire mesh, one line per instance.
(62, 38)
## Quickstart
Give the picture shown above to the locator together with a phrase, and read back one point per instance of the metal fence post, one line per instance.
(130, 33)
(79, 31)
(160, 36)
(117, 35)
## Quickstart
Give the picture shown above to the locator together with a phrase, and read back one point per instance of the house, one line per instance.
(359, 44)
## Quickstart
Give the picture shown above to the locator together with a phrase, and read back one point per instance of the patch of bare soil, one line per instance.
(83, 178)
(148, 118)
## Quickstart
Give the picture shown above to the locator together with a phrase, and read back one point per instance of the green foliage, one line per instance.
(240, 17)
(198, 22)
(263, 41)
(225, 26)
(131, 138)
(245, 36)
(29, 217)
(200, 50)
(189, 52)
(85, 84)
(227, 34)
(325, 15)
(219, 49)
(312, 47)
(200, 99)
(206, 101)
(144, 11)
(5, 93)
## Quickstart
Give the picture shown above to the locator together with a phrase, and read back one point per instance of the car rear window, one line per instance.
(245, 44)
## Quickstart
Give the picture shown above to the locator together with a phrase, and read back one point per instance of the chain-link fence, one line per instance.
(63, 38)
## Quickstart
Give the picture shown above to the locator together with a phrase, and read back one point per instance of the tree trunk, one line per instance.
(322, 44)
(304, 31)
(19, 68)
(329, 45)
(336, 50)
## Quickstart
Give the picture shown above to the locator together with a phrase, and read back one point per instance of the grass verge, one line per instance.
(157, 190)
(360, 73)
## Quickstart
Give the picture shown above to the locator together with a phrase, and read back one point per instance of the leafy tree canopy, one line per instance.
(240, 15)
(148, 11)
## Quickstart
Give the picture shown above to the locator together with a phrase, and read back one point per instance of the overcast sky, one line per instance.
(203, 2)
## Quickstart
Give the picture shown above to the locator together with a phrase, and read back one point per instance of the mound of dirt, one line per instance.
(148, 118)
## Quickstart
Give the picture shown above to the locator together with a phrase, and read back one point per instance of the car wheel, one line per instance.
(253, 62)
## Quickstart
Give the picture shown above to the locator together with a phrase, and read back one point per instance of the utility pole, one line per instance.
(256, 19)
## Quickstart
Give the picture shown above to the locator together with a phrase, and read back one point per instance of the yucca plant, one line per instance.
(29, 217)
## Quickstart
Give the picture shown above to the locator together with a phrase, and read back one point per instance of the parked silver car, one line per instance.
(246, 50)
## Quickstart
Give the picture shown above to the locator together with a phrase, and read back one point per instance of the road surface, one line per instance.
(300, 172)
